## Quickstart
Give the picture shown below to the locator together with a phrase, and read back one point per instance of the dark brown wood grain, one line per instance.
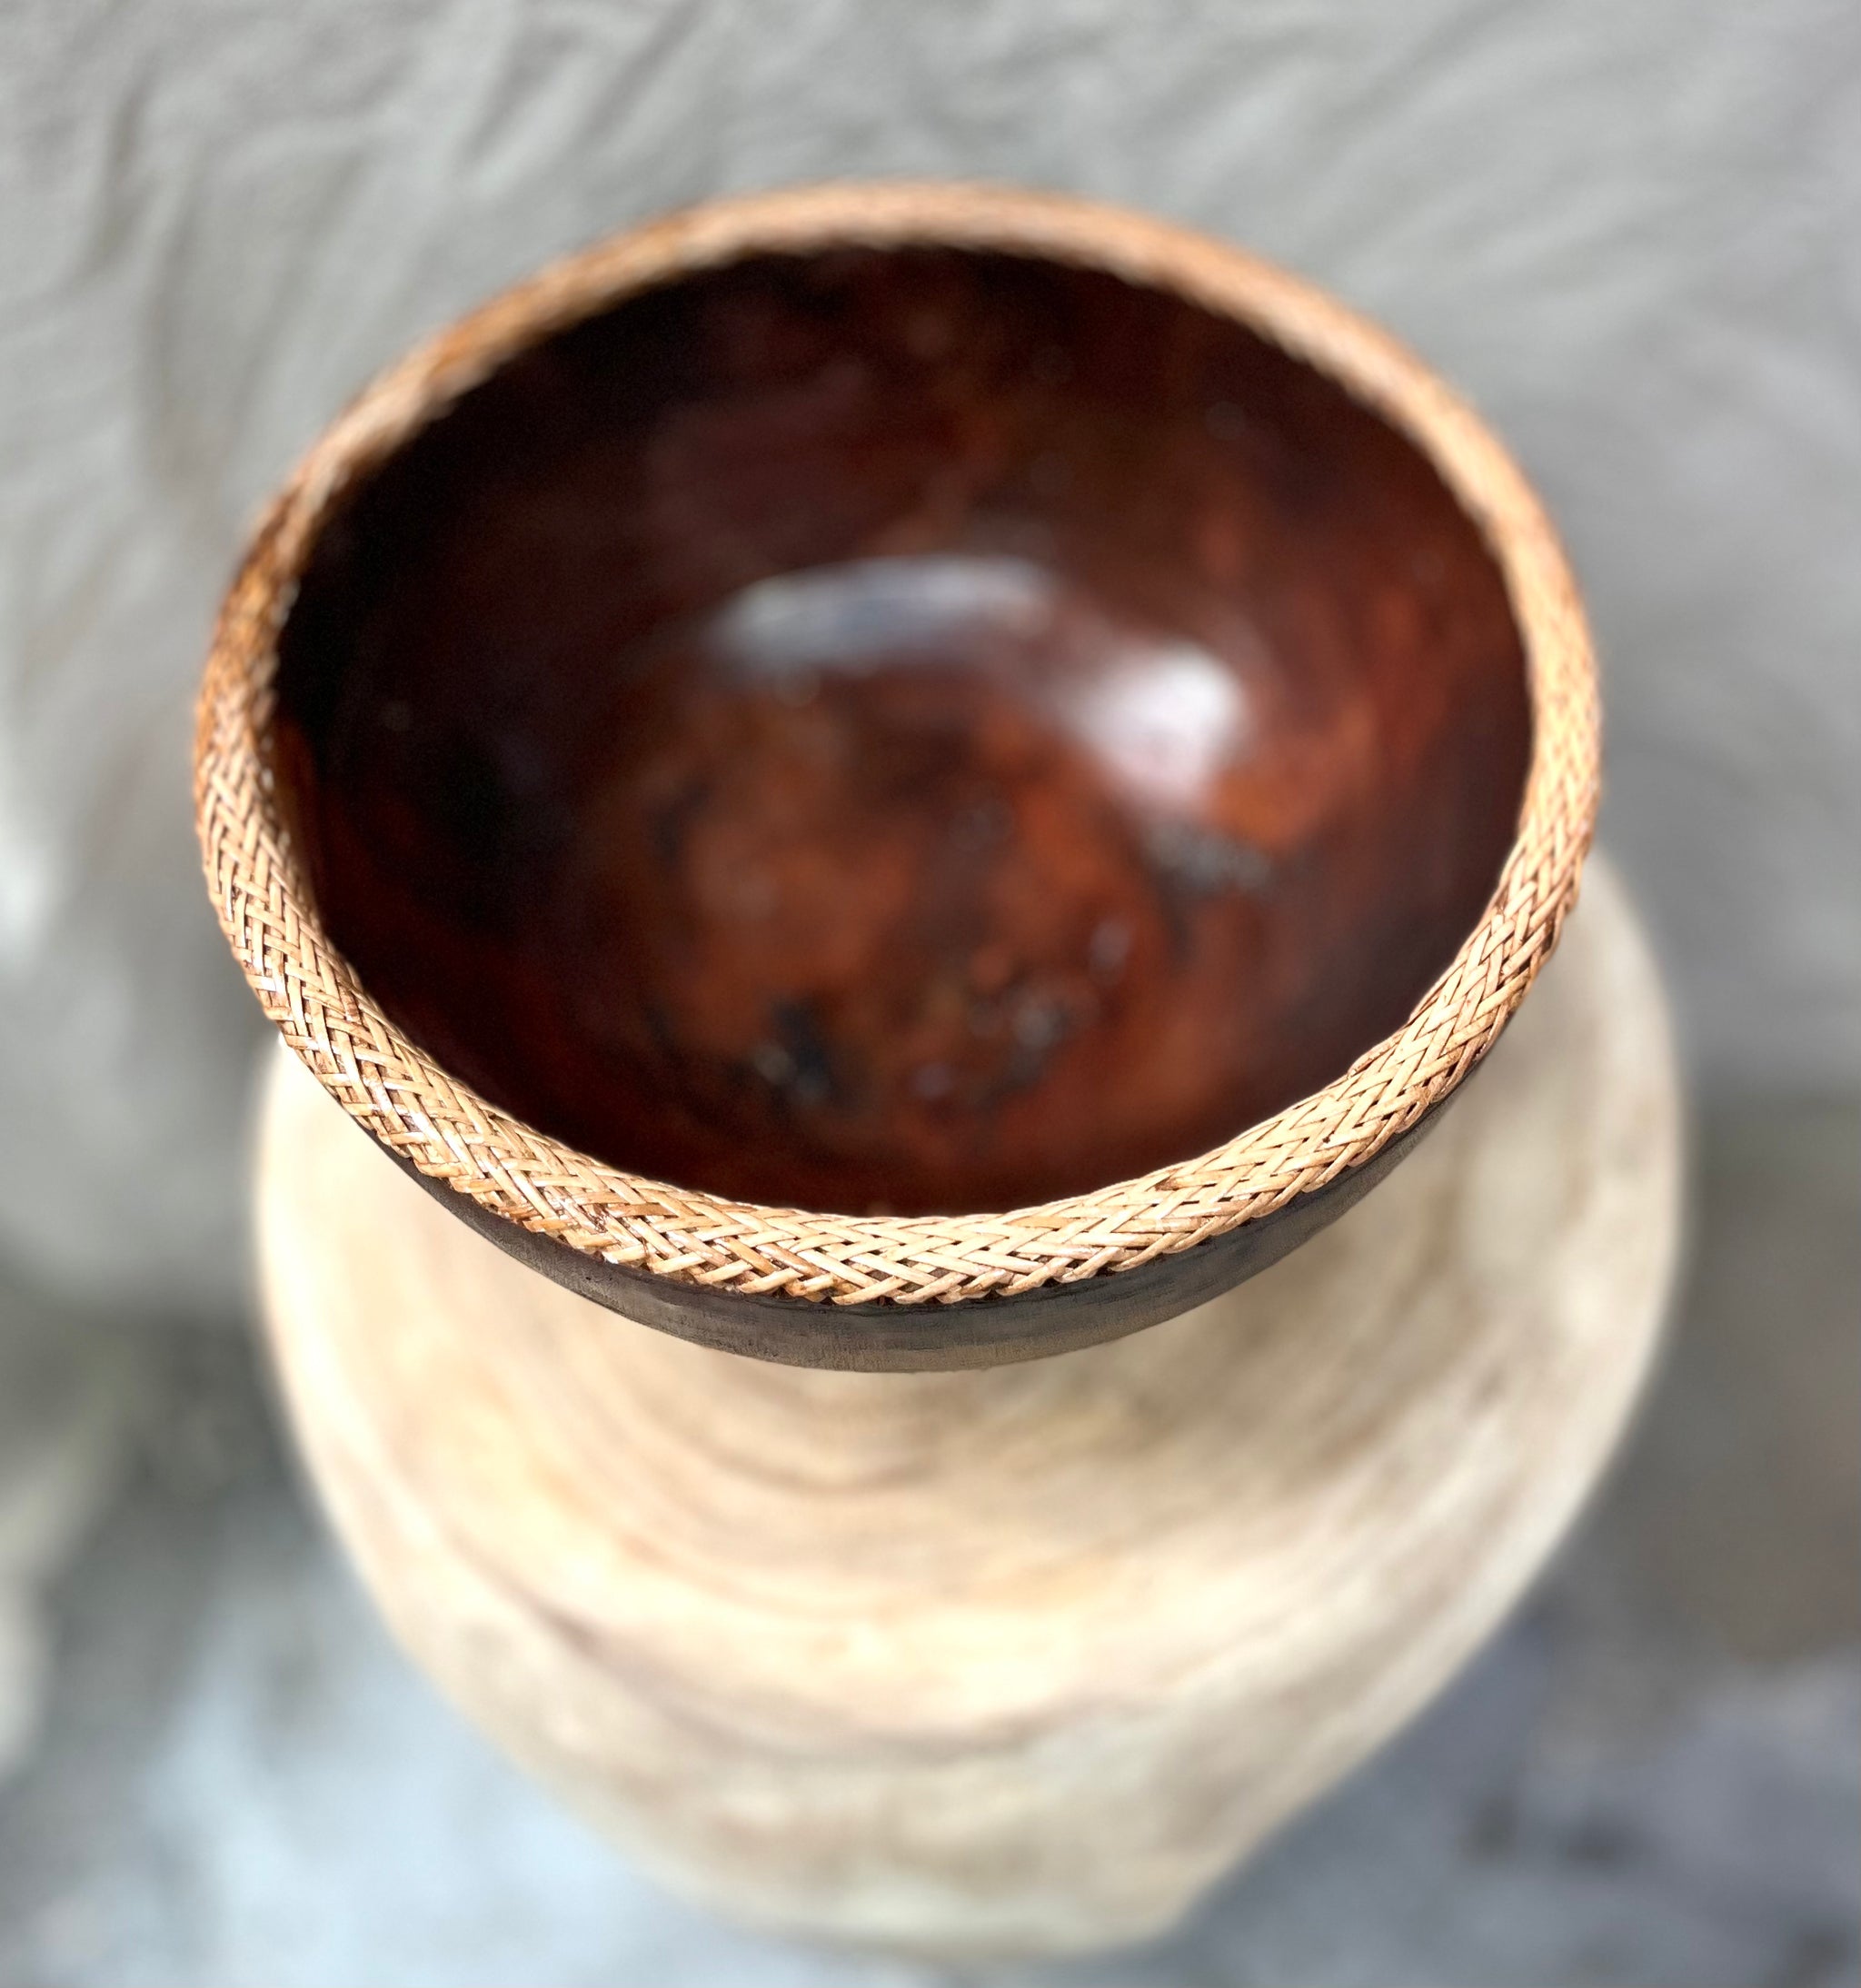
(913, 730)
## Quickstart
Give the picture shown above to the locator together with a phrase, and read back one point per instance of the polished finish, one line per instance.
(1021, 1659)
(908, 731)
(912, 770)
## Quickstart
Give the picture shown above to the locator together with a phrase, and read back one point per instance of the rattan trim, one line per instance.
(447, 1132)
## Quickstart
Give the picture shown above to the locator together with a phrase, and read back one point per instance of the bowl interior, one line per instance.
(905, 729)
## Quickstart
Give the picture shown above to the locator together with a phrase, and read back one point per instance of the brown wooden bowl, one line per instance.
(899, 776)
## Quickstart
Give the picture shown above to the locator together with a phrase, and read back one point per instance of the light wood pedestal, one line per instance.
(1021, 1659)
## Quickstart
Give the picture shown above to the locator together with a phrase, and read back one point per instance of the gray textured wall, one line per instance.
(1629, 231)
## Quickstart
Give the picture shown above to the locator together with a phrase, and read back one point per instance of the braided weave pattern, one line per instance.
(450, 1134)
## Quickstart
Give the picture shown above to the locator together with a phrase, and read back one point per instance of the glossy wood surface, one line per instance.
(915, 729)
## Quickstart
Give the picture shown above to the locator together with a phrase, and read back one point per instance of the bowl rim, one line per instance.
(458, 1140)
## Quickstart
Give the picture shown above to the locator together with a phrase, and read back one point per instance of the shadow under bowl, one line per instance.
(861, 730)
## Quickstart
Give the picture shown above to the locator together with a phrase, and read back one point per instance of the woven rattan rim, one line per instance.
(446, 1131)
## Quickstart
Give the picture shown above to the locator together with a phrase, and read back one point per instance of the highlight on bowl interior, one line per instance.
(915, 719)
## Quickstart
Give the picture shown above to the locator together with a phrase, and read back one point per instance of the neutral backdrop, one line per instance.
(1628, 231)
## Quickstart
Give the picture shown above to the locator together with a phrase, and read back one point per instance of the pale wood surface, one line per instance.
(1015, 1658)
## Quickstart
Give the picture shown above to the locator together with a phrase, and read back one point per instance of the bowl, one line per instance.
(899, 776)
